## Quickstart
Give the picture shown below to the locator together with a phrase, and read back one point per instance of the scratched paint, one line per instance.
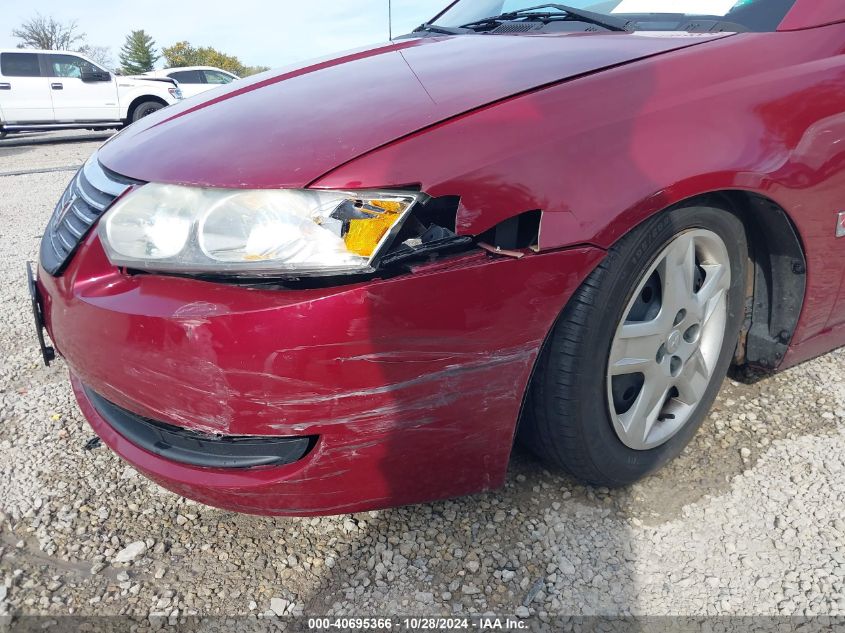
(412, 384)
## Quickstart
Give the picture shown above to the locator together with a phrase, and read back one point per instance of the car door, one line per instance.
(24, 91)
(190, 81)
(78, 100)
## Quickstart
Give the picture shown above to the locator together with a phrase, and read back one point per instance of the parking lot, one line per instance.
(748, 521)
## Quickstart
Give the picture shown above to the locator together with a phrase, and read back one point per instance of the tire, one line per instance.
(575, 414)
(145, 108)
(3, 134)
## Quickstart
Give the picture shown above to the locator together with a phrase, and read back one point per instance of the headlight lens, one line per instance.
(263, 232)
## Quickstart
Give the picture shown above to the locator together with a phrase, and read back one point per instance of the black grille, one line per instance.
(86, 198)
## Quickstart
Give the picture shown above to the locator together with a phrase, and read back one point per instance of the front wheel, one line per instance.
(638, 355)
(145, 109)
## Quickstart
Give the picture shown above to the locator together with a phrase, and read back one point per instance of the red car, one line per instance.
(352, 284)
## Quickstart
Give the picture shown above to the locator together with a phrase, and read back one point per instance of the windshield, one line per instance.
(752, 15)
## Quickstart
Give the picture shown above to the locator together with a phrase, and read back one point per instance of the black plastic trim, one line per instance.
(780, 282)
(48, 353)
(200, 449)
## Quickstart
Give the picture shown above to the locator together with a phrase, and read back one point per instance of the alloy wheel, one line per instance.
(668, 342)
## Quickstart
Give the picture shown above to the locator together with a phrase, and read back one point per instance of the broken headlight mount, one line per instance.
(428, 232)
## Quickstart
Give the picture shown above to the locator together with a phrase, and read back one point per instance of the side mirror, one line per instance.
(96, 76)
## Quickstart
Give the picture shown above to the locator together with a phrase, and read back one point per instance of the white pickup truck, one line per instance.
(42, 90)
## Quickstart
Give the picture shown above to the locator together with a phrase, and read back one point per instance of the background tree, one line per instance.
(49, 34)
(99, 54)
(253, 70)
(184, 54)
(138, 54)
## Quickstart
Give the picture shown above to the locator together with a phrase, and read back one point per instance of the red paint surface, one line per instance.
(811, 13)
(756, 112)
(287, 130)
(413, 384)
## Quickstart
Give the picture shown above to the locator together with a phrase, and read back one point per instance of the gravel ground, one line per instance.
(748, 521)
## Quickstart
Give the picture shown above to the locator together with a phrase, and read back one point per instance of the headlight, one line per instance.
(263, 232)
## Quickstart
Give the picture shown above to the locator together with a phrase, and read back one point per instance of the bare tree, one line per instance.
(48, 33)
(99, 54)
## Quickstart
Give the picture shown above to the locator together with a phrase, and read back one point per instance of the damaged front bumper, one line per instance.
(405, 389)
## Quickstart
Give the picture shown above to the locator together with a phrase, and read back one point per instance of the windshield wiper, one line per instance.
(434, 28)
(599, 19)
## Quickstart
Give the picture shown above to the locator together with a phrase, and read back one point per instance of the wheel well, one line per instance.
(777, 277)
(138, 101)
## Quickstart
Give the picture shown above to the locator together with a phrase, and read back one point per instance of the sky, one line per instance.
(258, 32)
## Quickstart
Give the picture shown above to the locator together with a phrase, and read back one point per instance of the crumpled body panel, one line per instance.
(413, 384)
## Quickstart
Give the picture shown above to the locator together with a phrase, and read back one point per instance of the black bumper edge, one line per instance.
(47, 352)
(200, 449)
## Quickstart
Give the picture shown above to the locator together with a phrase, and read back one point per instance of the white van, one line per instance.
(60, 89)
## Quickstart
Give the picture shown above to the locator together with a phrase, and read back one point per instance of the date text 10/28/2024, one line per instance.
(418, 624)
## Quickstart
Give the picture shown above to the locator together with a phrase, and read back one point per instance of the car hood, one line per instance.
(145, 79)
(287, 128)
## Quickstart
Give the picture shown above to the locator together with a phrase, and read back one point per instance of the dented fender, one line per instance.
(600, 154)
